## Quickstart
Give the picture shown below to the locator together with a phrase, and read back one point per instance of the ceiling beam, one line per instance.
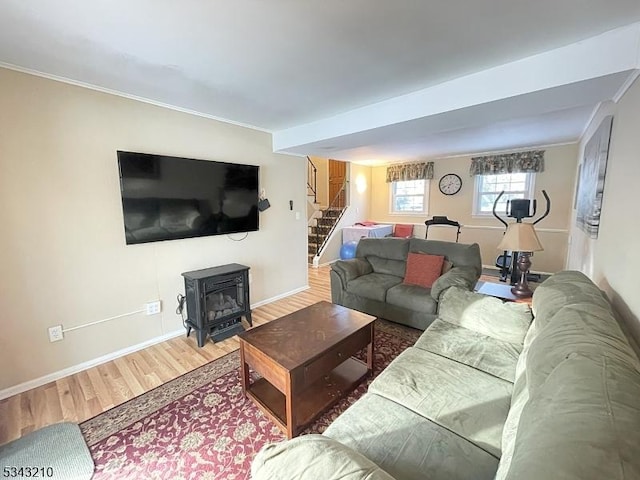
(606, 54)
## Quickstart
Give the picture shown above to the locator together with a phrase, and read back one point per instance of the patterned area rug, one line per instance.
(200, 426)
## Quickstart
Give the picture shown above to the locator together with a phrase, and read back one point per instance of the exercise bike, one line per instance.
(517, 208)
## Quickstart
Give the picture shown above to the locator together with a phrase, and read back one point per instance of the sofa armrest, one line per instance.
(347, 270)
(461, 277)
(313, 456)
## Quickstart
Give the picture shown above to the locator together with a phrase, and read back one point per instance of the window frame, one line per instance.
(529, 192)
(425, 194)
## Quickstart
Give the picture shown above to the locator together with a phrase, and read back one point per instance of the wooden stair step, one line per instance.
(326, 221)
(313, 240)
(320, 229)
(331, 213)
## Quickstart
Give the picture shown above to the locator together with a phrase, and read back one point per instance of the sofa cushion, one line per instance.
(586, 329)
(408, 446)
(412, 297)
(506, 321)
(313, 456)
(391, 248)
(582, 424)
(59, 448)
(423, 269)
(373, 285)
(387, 265)
(470, 403)
(564, 288)
(480, 351)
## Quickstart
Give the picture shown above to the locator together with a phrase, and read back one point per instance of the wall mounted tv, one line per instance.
(166, 198)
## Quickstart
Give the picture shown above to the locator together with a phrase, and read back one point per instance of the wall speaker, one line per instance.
(263, 204)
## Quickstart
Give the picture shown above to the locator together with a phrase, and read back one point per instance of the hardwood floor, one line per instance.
(86, 394)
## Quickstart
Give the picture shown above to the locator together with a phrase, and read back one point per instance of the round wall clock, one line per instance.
(450, 184)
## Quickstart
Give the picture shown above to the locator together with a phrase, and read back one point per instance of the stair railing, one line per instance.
(338, 202)
(312, 179)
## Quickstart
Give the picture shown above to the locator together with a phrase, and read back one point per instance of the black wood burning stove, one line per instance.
(217, 299)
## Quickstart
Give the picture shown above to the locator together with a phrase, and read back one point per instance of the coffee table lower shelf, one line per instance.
(314, 399)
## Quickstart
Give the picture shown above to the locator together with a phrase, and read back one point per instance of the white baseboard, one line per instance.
(328, 263)
(280, 297)
(52, 377)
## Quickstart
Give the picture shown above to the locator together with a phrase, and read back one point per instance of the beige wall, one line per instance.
(612, 260)
(63, 256)
(559, 174)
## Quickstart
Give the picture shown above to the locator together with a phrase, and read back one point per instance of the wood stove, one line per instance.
(217, 299)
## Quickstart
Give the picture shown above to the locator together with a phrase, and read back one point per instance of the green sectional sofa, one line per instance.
(486, 393)
(372, 282)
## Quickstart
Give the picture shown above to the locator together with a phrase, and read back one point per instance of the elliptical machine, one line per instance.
(520, 208)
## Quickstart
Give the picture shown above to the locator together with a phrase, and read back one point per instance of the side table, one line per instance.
(501, 291)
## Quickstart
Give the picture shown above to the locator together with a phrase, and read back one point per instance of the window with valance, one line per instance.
(511, 173)
(409, 190)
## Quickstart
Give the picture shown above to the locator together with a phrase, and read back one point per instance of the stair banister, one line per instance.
(312, 179)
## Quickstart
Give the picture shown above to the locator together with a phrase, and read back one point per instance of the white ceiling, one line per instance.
(334, 78)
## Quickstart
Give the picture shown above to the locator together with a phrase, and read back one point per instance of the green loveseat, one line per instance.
(484, 395)
(372, 282)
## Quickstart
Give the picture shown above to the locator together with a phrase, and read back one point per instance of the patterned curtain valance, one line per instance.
(410, 171)
(521, 162)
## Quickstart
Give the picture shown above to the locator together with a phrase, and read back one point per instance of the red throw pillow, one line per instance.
(423, 269)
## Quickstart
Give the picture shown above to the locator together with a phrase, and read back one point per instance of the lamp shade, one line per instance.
(520, 237)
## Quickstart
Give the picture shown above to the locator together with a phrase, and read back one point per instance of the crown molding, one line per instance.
(128, 96)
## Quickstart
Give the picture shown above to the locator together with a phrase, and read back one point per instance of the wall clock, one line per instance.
(450, 184)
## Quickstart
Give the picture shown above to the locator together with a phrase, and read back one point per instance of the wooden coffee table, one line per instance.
(305, 361)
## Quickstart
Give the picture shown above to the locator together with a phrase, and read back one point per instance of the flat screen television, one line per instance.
(167, 198)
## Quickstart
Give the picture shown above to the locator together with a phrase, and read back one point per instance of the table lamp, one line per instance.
(522, 238)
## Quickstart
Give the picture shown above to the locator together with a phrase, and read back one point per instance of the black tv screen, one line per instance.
(167, 198)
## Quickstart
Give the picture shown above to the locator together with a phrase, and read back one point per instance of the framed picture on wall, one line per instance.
(591, 179)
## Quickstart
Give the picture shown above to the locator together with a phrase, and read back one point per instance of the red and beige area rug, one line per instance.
(200, 426)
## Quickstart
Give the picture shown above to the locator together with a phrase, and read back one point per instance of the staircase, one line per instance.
(321, 228)
(322, 221)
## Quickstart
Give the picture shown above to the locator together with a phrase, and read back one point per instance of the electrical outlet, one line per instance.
(55, 333)
(153, 308)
